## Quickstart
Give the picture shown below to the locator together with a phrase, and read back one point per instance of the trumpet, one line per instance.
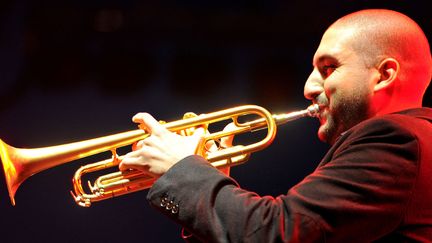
(21, 163)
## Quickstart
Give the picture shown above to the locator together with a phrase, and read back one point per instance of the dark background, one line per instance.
(74, 70)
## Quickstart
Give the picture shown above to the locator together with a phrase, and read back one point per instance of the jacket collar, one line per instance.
(423, 113)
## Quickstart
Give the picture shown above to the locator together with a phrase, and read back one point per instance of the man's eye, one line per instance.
(327, 70)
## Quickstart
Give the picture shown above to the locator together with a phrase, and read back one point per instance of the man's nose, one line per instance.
(313, 86)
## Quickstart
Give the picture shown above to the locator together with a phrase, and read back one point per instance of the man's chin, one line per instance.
(322, 134)
(325, 133)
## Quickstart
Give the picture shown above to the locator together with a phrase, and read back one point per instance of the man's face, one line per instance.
(340, 83)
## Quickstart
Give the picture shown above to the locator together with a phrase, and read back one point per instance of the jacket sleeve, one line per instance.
(358, 195)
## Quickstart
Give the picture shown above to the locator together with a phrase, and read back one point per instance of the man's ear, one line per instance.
(388, 70)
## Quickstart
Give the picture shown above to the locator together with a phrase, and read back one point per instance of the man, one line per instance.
(370, 73)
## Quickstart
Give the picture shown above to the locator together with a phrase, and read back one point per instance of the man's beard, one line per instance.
(342, 115)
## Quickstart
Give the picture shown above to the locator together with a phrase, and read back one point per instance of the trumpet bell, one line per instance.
(10, 171)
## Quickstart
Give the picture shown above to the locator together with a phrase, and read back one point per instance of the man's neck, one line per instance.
(397, 106)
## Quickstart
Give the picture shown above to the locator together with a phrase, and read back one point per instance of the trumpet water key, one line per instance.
(21, 163)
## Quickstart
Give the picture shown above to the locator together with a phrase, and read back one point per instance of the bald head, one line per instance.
(380, 34)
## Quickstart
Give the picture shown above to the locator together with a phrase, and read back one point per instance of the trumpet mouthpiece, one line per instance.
(313, 110)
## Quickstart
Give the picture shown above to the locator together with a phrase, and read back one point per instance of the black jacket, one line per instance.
(374, 184)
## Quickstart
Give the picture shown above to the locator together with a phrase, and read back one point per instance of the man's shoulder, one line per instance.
(404, 121)
(397, 135)
(410, 115)
(396, 127)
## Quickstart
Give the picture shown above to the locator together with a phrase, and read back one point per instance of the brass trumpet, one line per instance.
(21, 163)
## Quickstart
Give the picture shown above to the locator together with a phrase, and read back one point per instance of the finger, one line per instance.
(149, 123)
(228, 141)
(139, 158)
(131, 163)
(132, 154)
(192, 130)
(153, 143)
(198, 138)
(137, 145)
(199, 132)
(211, 146)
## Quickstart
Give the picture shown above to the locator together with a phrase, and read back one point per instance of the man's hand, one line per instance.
(162, 149)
